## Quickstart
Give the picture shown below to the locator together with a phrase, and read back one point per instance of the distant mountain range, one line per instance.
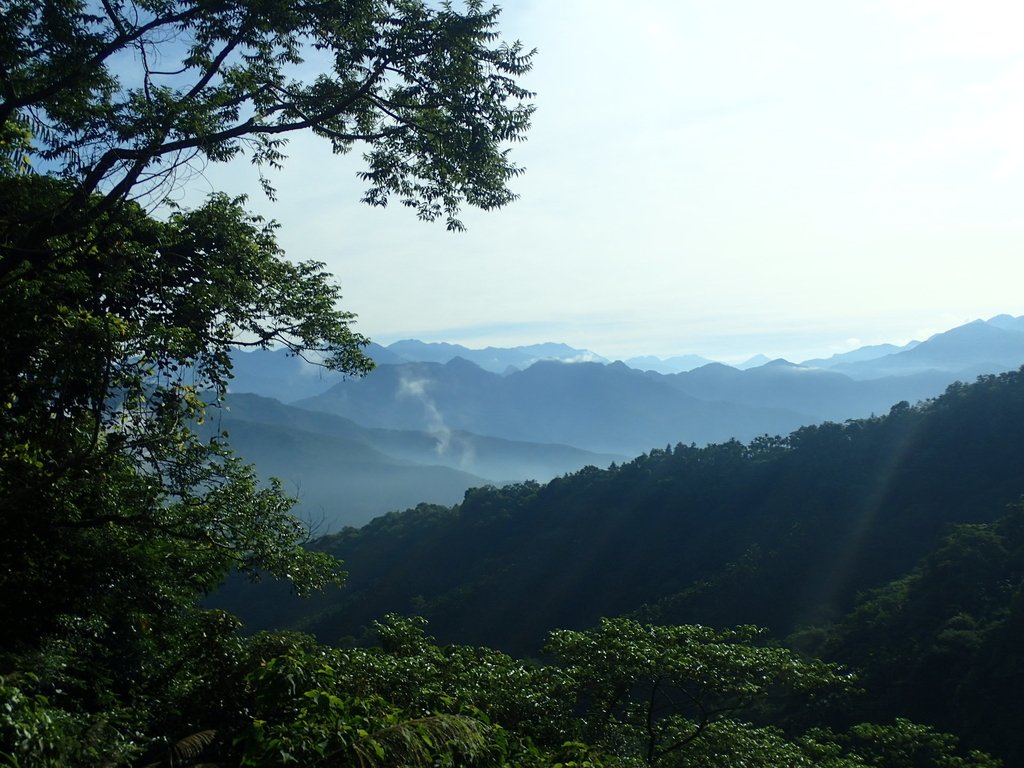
(613, 408)
(604, 408)
(676, 364)
(977, 346)
(494, 359)
(435, 419)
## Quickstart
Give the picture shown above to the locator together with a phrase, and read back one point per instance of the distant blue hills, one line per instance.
(434, 419)
(345, 474)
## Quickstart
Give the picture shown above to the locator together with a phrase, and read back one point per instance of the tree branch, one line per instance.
(55, 86)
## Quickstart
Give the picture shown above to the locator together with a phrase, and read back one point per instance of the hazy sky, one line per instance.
(725, 178)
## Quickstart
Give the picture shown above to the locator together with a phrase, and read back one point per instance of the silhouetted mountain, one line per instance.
(822, 394)
(604, 408)
(975, 348)
(753, 362)
(1008, 322)
(279, 374)
(677, 364)
(286, 377)
(492, 459)
(614, 409)
(382, 355)
(340, 481)
(870, 352)
(493, 359)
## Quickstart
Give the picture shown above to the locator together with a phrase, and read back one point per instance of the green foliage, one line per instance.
(34, 732)
(661, 692)
(941, 643)
(302, 713)
(15, 143)
(782, 533)
(430, 92)
(117, 341)
(408, 702)
(904, 744)
(117, 516)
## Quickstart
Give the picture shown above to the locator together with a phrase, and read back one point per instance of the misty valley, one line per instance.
(428, 423)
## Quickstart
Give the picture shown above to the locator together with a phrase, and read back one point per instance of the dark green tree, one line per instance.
(693, 696)
(119, 324)
(665, 695)
(121, 96)
(311, 701)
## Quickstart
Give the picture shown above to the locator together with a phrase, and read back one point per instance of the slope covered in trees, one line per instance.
(941, 644)
(787, 533)
(781, 532)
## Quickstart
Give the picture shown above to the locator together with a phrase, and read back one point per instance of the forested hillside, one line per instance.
(941, 644)
(781, 532)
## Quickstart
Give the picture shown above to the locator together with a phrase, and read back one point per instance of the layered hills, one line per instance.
(607, 408)
(435, 419)
(781, 532)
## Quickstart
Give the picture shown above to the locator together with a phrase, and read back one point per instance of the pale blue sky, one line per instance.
(723, 178)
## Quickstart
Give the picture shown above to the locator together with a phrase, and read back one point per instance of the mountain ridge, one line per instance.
(556, 416)
(274, 373)
(603, 408)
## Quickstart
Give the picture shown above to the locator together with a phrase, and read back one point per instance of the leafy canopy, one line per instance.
(665, 693)
(124, 95)
(119, 325)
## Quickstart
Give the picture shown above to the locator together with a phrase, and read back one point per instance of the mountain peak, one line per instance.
(754, 362)
(501, 360)
(780, 362)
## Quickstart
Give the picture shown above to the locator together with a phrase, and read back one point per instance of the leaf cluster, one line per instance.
(656, 690)
(123, 96)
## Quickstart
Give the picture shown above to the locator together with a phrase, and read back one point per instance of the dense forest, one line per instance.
(120, 518)
(890, 544)
(782, 532)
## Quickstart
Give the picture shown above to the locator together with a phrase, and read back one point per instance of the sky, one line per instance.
(794, 178)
